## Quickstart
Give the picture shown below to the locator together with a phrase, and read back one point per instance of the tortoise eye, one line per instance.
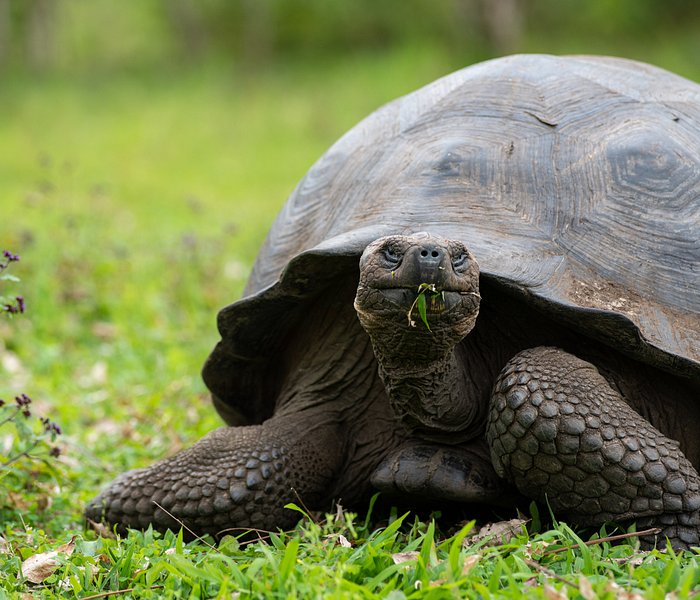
(459, 261)
(391, 255)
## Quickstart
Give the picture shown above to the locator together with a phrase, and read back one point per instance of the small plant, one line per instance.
(426, 291)
(25, 442)
(9, 306)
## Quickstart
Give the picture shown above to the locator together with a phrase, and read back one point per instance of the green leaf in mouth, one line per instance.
(424, 290)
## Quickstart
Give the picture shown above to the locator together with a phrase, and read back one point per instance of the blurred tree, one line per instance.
(501, 24)
(39, 32)
(104, 34)
(4, 32)
(27, 33)
(186, 19)
(257, 39)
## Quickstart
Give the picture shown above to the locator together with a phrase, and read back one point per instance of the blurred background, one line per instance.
(101, 36)
(147, 145)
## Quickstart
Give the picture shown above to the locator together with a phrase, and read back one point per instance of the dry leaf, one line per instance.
(402, 557)
(4, 546)
(621, 594)
(337, 538)
(101, 529)
(44, 502)
(553, 594)
(494, 534)
(470, 562)
(104, 330)
(539, 548)
(634, 561)
(18, 501)
(38, 567)
(586, 589)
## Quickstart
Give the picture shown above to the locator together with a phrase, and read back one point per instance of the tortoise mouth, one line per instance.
(436, 303)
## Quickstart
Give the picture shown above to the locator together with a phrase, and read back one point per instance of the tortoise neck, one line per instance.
(427, 385)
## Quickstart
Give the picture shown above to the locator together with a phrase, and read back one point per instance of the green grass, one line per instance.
(341, 557)
(138, 204)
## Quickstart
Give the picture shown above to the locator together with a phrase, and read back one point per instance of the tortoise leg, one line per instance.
(562, 434)
(235, 477)
(427, 470)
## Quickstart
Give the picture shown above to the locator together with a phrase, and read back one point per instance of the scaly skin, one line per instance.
(563, 435)
(234, 477)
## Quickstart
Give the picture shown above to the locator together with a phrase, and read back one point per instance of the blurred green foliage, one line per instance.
(104, 35)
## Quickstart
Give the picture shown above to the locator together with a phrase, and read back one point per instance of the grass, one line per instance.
(137, 205)
(341, 557)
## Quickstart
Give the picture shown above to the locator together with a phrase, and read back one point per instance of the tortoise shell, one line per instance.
(575, 181)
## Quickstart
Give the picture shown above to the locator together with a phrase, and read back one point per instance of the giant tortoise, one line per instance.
(488, 288)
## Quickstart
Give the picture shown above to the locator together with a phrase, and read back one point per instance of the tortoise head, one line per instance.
(418, 295)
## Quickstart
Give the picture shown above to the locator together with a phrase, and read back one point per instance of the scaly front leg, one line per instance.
(235, 477)
(561, 434)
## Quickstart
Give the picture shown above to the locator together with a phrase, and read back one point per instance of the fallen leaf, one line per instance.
(497, 533)
(18, 501)
(4, 546)
(337, 538)
(104, 330)
(552, 593)
(531, 550)
(402, 557)
(43, 503)
(621, 594)
(38, 567)
(470, 562)
(586, 589)
(101, 529)
(635, 560)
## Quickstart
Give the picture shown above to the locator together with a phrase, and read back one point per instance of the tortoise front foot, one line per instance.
(561, 434)
(233, 478)
(429, 471)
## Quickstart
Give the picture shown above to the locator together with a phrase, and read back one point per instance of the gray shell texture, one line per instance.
(575, 181)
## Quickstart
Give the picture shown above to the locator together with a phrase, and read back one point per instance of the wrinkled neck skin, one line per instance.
(425, 378)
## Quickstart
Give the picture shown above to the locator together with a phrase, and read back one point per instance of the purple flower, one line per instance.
(50, 426)
(17, 307)
(9, 257)
(23, 400)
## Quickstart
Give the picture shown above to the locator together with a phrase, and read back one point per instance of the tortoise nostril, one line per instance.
(430, 254)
